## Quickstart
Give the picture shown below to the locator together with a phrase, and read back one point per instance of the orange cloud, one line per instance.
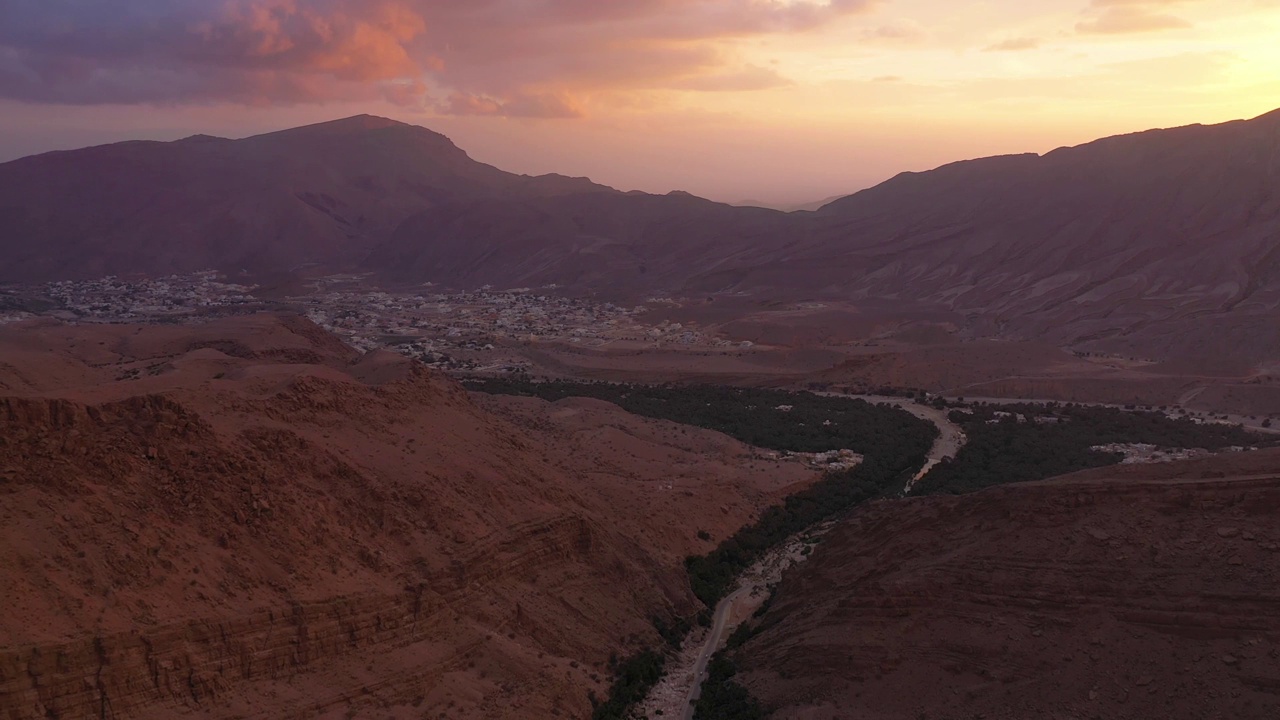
(363, 42)
(549, 105)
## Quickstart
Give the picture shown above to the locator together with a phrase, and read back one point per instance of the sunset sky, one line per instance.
(782, 100)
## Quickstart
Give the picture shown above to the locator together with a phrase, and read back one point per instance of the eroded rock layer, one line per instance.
(247, 519)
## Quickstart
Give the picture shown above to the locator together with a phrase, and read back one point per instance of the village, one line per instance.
(174, 298)
(469, 330)
(450, 330)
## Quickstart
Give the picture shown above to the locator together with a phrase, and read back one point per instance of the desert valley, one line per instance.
(298, 427)
(417, 360)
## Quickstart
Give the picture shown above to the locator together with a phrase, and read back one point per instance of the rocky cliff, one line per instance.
(293, 529)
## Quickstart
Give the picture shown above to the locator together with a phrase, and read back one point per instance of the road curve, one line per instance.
(723, 610)
(950, 437)
(950, 440)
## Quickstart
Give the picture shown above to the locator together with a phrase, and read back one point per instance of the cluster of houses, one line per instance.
(452, 331)
(112, 299)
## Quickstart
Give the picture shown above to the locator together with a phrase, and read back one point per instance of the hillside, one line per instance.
(1160, 244)
(318, 195)
(1134, 592)
(617, 245)
(245, 517)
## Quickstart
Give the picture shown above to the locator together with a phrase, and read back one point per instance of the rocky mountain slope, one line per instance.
(1158, 245)
(621, 245)
(245, 518)
(1133, 592)
(319, 195)
(1162, 243)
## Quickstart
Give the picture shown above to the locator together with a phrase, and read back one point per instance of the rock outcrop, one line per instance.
(252, 535)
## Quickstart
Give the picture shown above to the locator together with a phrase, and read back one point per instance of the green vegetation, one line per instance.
(805, 422)
(672, 632)
(635, 678)
(893, 443)
(1051, 440)
(11, 302)
(723, 698)
(713, 574)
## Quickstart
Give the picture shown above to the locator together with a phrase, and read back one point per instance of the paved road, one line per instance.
(723, 610)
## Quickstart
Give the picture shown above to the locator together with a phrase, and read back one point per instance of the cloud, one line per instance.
(906, 29)
(525, 106)
(250, 51)
(1117, 17)
(507, 57)
(1015, 45)
(750, 77)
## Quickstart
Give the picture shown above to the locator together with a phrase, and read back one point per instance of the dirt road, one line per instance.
(723, 612)
(753, 585)
(676, 692)
(950, 437)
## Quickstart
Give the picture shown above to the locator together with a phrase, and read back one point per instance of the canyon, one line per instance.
(222, 494)
(265, 520)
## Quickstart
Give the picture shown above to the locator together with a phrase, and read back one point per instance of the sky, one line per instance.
(781, 101)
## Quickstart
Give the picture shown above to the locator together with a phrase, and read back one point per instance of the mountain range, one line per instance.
(1160, 244)
(248, 516)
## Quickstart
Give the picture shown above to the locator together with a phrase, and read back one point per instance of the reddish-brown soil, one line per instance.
(1137, 592)
(247, 519)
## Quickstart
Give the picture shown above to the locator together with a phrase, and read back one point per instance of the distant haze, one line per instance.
(782, 101)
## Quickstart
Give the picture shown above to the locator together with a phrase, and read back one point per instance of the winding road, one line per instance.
(950, 439)
(723, 611)
(948, 443)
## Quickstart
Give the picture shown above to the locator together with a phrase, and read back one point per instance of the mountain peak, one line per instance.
(361, 122)
(202, 138)
(354, 125)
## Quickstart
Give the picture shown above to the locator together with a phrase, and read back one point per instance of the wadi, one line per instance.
(338, 421)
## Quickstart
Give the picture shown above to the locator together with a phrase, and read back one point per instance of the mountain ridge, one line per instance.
(1159, 243)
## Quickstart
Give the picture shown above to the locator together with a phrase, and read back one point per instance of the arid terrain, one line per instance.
(1151, 248)
(242, 476)
(260, 519)
(1134, 592)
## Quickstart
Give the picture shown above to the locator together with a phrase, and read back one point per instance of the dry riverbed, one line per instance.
(685, 671)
